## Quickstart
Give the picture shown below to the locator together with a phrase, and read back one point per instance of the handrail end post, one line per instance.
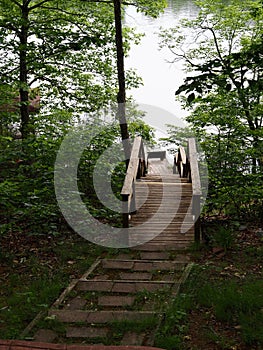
(125, 211)
(196, 212)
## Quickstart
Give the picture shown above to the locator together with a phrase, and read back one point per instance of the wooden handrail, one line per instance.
(194, 169)
(136, 169)
(196, 185)
(186, 164)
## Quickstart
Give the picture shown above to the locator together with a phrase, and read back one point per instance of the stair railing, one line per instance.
(136, 169)
(186, 163)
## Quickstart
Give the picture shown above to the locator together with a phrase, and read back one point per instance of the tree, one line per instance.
(223, 91)
(65, 50)
(149, 8)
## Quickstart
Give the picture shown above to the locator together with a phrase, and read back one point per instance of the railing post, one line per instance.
(133, 200)
(196, 186)
(136, 169)
(196, 213)
(125, 211)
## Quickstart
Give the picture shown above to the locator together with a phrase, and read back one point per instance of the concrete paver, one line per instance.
(143, 266)
(69, 316)
(124, 287)
(136, 276)
(116, 300)
(76, 304)
(86, 332)
(152, 286)
(111, 316)
(117, 264)
(95, 285)
(166, 265)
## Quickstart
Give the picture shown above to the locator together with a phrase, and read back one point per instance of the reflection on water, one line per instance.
(161, 79)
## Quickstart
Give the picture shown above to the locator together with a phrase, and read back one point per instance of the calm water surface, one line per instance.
(161, 79)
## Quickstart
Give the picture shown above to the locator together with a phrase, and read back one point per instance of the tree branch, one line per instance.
(17, 3)
(38, 5)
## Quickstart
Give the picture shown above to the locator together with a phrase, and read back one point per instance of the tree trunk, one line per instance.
(24, 98)
(121, 98)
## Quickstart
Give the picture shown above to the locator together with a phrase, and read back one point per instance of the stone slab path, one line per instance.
(119, 301)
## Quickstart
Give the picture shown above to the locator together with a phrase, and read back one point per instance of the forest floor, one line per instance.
(230, 314)
(34, 270)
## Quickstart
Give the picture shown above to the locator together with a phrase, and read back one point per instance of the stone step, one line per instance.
(154, 255)
(120, 286)
(100, 317)
(87, 332)
(142, 265)
(143, 276)
(116, 300)
(149, 247)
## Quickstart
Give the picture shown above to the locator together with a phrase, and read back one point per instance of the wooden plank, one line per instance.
(195, 176)
(157, 154)
(183, 154)
(130, 176)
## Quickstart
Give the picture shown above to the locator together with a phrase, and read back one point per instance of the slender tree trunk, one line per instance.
(121, 98)
(24, 98)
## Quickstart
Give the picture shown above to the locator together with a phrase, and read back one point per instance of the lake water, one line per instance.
(161, 79)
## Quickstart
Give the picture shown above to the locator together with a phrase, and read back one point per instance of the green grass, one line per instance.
(236, 303)
(174, 326)
(36, 278)
(228, 301)
(22, 301)
(156, 300)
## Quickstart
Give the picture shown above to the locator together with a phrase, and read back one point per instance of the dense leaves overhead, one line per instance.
(67, 49)
(222, 52)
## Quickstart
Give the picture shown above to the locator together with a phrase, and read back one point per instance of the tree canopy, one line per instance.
(67, 50)
(223, 92)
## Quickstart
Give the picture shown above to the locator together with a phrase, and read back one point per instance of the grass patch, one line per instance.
(174, 326)
(221, 303)
(36, 273)
(119, 328)
(238, 304)
(156, 300)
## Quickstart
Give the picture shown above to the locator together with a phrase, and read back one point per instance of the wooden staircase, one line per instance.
(122, 299)
(162, 207)
(163, 217)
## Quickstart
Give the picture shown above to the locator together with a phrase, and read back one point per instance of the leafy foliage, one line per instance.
(224, 96)
(67, 51)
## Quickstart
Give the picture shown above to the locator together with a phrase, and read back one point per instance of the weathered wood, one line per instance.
(181, 162)
(195, 176)
(167, 206)
(135, 170)
(157, 154)
(196, 184)
(130, 176)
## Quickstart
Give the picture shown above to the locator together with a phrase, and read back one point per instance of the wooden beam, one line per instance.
(195, 176)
